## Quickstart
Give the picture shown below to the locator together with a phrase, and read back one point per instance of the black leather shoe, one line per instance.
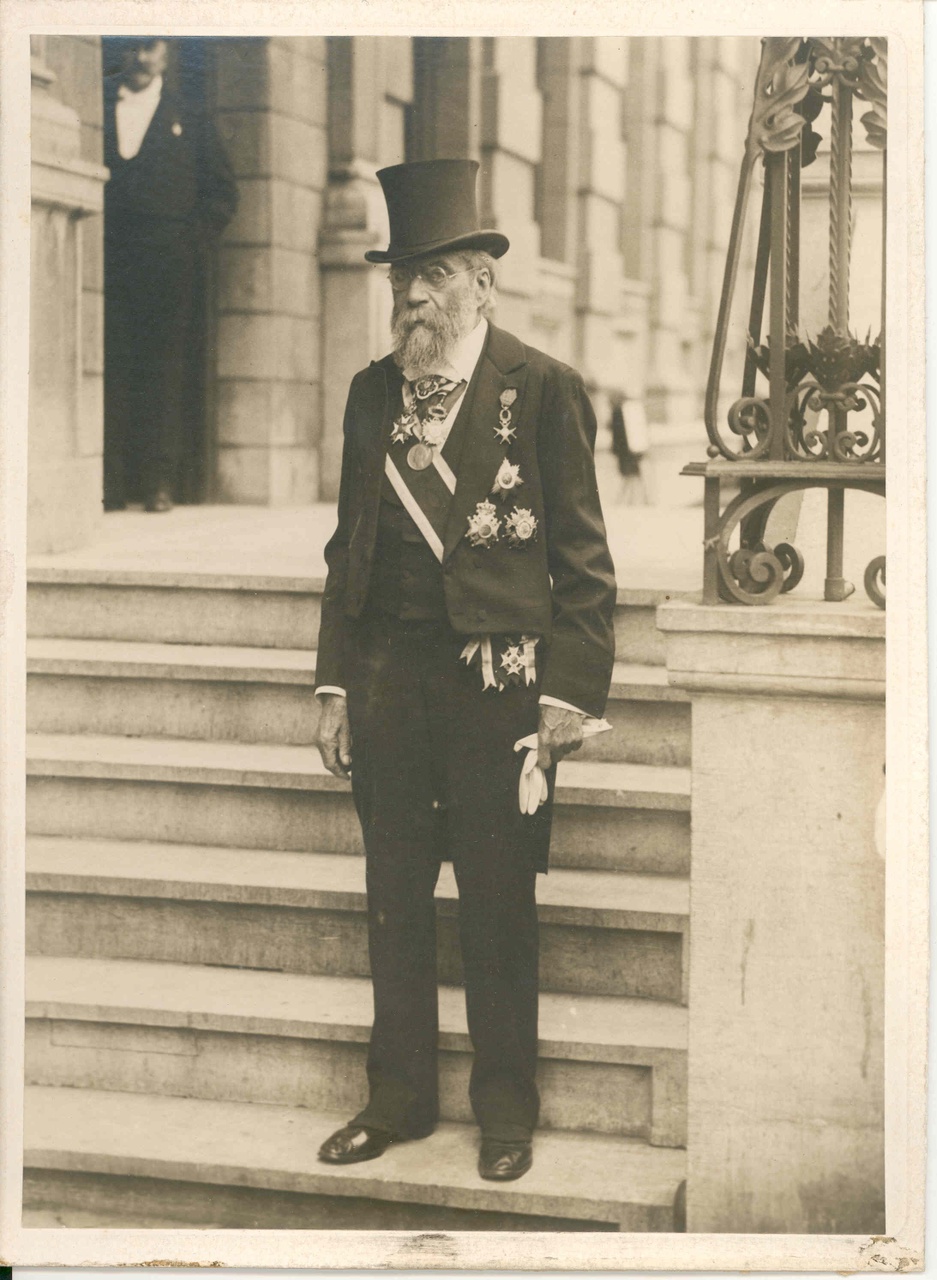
(161, 501)
(504, 1161)
(353, 1142)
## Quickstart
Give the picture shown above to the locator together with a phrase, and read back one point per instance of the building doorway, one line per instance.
(175, 365)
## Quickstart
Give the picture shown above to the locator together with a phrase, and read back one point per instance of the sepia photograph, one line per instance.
(454, 645)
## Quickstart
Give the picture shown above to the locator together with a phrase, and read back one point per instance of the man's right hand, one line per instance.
(334, 735)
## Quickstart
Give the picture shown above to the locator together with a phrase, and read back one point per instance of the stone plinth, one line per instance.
(787, 914)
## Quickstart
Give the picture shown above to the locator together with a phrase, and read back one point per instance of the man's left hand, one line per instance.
(560, 732)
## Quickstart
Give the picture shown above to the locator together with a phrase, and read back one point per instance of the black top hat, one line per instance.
(431, 206)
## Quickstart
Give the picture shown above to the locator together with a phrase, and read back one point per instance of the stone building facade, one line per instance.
(610, 163)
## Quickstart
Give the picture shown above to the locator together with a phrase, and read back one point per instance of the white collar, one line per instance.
(464, 356)
(152, 90)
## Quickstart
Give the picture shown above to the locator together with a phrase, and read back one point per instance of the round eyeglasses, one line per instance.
(435, 276)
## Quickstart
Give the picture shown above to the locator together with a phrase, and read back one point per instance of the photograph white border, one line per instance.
(901, 1249)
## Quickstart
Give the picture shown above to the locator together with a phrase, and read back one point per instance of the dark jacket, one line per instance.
(562, 586)
(180, 173)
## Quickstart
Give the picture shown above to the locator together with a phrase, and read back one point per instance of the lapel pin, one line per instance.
(177, 128)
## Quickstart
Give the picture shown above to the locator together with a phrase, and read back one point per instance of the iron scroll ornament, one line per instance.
(820, 422)
(756, 574)
(788, 95)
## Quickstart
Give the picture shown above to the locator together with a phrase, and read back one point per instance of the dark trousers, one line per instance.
(434, 775)
(152, 278)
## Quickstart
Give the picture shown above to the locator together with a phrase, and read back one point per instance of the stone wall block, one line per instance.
(252, 224)
(510, 116)
(295, 282)
(267, 346)
(297, 84)
(246, 139)
(294, 478)
(297, 151)
(242, 73)
(267, 413)
(294, 215)
(245, 279)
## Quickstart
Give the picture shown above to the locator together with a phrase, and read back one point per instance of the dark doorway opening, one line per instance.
(187, 78)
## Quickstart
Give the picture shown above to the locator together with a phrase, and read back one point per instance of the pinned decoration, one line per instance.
(433, 431)
(516, 664)
(521, 527)
(508, 478)
(419, 456)
(505, 431)
(484, 526)
(405, 426)
(176, 129)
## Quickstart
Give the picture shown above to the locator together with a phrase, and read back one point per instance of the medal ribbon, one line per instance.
(480, 646)
(425, 494)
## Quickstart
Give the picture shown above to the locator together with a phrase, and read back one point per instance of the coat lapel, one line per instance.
(381, 395)
(502, 365)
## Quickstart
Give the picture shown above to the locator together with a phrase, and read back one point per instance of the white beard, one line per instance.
(422, 346)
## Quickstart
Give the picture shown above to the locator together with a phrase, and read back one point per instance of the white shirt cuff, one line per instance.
(330, 688)
(547, 701)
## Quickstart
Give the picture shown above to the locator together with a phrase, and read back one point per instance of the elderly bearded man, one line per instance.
(468, 604)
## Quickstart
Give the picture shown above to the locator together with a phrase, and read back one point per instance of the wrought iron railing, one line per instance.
(811, 413)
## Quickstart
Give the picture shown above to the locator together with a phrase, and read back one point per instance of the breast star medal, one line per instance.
(420, 456)
(484, 525)
(504, 431)
(507, 479)
(521, 527)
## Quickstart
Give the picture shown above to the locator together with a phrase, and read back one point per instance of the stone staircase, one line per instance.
(197, 995)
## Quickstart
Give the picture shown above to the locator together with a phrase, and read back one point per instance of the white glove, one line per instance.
(532, 788)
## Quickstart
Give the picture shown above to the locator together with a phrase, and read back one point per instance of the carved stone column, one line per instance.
(65, 438)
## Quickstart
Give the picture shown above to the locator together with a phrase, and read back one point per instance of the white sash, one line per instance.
(413, 508)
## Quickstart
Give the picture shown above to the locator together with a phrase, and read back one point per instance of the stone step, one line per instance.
(265, 610)
(83, 1135)
(602, 933)
(259, 795)
(608, 1065)
(264, 695)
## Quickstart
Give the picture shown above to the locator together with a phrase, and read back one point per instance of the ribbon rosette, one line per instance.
(484, 526)
(433, 431)
(521, 527)
(508, 478)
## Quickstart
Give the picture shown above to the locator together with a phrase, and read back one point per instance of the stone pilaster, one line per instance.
(601, 185)
(786, 990)
(66, 321)
(370, 86)
(269, 107)
(510, 151)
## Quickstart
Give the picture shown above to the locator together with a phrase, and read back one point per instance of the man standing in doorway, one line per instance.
(170, 194)
(468, 604)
